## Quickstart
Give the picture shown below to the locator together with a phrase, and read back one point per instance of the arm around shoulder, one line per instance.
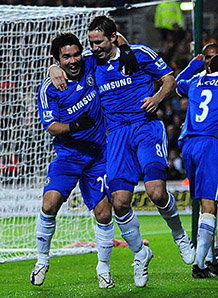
(58, 77)
(121, 40)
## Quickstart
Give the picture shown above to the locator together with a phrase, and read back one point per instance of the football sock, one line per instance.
(141, 255)
(171, 216)
(129, 226)
(206, 230)
(45, 227)
(209, 256)
(104, 235)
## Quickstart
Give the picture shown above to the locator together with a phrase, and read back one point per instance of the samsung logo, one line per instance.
(115, 84)
(84, 101)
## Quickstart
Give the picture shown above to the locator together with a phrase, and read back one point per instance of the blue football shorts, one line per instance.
(64, 173)
(136, 149)
(200, 157)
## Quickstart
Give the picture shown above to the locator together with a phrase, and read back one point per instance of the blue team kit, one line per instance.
(137, 142)
(199, 136)
(81, 155)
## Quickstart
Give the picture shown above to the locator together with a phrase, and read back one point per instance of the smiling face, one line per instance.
(102, 46)
(71, 60)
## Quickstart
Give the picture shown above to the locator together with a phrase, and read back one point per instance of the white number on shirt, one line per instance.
(158, 150)
(204, 105)
(103, 182)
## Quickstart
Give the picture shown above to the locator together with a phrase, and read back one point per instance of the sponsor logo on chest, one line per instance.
(115, 84)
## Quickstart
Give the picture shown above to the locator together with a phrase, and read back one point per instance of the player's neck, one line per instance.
(113, 53)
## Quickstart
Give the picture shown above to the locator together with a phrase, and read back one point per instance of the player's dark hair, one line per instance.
(62, 39)
(209, 45)
(214, 63)
(104, 24)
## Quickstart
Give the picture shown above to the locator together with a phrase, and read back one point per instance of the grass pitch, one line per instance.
(75, 276)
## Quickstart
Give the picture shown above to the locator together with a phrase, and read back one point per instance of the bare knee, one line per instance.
(103, 211)
(208, 206)
(156, 190)
(52, 202)
(121, 201)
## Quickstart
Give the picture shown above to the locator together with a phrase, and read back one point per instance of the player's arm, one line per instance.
(57, 128)
(58, 77)
(183, 87)
(83, 122)
(49, 114)
(121, 40)
(195, 64)
(151, 103)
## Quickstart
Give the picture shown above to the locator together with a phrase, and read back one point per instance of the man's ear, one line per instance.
(209, 70)
(114, 37)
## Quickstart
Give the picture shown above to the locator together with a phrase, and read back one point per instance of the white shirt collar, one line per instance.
(214, 74)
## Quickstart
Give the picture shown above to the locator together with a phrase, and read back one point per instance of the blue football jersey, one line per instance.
(202, 113)
(121, 95)
(66, 106)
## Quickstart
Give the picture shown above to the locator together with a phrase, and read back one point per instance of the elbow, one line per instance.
(57, 129)
(54, 129)
(52, 133)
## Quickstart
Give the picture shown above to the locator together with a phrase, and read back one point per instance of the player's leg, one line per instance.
(206, 229)
(123, 172)
(45, 226)
(127, 220)
(152, 156)
(94, 188)
(200, 160)
(104, 235)
(56, 191)
(211, 260)
(129, 227)
(166, 205)
(210, 255)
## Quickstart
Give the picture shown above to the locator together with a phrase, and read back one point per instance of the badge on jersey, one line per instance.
(47, 116)
(90, 81)
(160, 64)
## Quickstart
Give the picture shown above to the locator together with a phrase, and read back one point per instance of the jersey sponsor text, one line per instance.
(84, 101)
(115, 84)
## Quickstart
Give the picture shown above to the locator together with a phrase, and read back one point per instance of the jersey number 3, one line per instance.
(204, 105)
